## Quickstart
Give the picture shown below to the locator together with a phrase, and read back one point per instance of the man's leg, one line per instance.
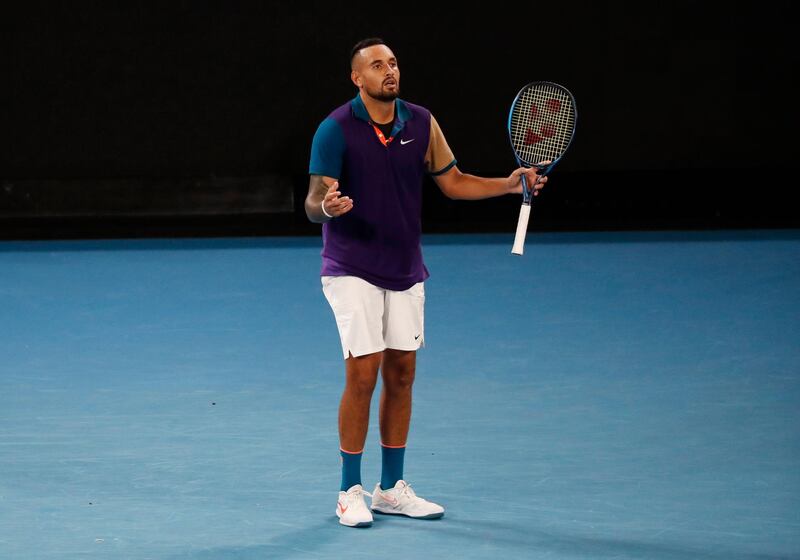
(361, 374)
(393, 495)
(398, 370)
(358, 307)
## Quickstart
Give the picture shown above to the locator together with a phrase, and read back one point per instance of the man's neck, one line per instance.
(381, 112)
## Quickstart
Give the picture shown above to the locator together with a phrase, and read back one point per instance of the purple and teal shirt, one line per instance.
(379, 240)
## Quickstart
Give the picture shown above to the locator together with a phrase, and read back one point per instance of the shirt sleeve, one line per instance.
(439, 158)
(327, 150)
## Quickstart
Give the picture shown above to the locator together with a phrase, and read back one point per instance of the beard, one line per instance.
(384, 95)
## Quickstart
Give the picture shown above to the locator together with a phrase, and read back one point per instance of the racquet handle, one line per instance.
(522, 228)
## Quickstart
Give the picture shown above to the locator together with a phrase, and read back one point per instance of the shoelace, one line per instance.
(407, 491)
(350, 496)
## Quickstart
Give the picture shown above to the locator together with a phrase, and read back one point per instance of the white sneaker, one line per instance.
(352, 509)
(401, 500)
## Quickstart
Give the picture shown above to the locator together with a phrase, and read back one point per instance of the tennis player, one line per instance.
(369, 158)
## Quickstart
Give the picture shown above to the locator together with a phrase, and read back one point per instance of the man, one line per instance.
(369, 158)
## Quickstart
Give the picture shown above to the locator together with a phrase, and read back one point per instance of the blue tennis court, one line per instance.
(607, 395)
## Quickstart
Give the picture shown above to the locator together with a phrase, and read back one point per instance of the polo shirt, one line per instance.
(379, 240)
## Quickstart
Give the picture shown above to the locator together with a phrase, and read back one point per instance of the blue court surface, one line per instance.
(606, 395)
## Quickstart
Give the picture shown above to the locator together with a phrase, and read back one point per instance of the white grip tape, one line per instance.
(522, 228)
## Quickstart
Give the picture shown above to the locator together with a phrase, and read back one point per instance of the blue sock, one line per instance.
(351, 469)
(392, 469)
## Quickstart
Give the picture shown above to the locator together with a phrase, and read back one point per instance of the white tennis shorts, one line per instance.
(372, 319)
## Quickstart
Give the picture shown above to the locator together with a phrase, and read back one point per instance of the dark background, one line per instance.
(190, 118)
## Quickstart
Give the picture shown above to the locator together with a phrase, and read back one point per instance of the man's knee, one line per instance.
(362, 374)
(399, 370)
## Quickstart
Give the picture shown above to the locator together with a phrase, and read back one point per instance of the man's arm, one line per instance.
(457, 185)
(462, 186)
(324, 201)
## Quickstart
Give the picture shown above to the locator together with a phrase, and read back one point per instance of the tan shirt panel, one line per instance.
(439, 154)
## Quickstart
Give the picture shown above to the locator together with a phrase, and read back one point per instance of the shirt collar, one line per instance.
(401, 112)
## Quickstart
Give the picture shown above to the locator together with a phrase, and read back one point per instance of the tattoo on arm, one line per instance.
(321, 187)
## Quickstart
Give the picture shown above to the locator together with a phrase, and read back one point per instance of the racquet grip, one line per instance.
(522, 228)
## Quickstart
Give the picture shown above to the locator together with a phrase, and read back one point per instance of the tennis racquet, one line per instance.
(541, 125)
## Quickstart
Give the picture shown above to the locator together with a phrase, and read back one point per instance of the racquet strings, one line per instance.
(542, 123)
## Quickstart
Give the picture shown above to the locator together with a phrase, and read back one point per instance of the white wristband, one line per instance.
(323, 209)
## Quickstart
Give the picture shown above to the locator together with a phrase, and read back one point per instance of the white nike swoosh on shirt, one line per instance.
(404, 142)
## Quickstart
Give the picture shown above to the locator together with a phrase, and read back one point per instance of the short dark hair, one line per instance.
(363, 44)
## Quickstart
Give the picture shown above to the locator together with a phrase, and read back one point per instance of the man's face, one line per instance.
(375, 71)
